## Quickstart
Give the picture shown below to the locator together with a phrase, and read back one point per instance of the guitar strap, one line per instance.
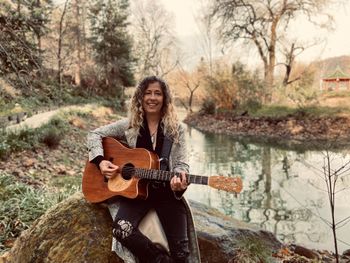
(164, 156)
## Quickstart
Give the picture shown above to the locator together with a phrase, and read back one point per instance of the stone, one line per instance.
(346, 253)
(305, 252)
(77, 231)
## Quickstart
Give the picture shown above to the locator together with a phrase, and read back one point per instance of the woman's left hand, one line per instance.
(177, 183)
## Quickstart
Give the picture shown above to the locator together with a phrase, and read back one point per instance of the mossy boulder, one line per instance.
(77, 231)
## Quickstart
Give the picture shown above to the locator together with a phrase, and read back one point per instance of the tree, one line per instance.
(111, 43)
(221, 86)
(262, 23)
(249, 85)
(39, 16)
(155, 44)
(207, 40)
(18, 54)
(290, 50)
(192, 81)
(332, 173)
(61, 29)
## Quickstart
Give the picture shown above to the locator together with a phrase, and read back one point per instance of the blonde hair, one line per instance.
(168, 116)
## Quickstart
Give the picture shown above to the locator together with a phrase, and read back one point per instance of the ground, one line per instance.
(292, 131)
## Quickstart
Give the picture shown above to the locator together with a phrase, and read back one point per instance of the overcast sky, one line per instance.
(337, 42)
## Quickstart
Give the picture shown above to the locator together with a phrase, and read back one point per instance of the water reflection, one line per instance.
(280, 193)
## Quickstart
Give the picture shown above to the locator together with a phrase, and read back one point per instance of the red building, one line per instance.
(337, 81)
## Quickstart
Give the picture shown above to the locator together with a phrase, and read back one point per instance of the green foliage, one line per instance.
(17, 141)
(251, 250)
(208, 106)
(20, 55)
(301, 92)
(117, 104)
(111, 44)
(274, 111)
(52, 133)
(278, 111)
(251, 105)
(21, 204)
(249, 87)
(51, 137)
(27, 139)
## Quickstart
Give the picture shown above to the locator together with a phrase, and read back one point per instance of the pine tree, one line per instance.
(111, 43)
(21, 23)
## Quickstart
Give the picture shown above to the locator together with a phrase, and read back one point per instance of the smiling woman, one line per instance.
(154, 126)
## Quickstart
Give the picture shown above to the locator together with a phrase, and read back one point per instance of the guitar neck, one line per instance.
(152, 174)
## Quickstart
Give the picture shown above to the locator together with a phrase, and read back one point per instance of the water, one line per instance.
(283, 191)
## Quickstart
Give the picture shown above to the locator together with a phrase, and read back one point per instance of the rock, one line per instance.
(72, 231)
(77, 231)
(29, 162)
(219, 235)
(305, 252)
(346, 253)
(77, 122)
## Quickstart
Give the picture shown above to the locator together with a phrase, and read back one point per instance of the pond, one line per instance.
(284, 191)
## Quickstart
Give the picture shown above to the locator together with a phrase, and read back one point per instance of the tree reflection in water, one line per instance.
(276, 194)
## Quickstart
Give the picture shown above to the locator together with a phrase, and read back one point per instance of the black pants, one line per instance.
(172, 215)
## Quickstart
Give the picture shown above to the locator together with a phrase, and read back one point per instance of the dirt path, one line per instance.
(42, 118)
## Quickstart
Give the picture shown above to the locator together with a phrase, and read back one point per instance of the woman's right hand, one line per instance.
(108, 169)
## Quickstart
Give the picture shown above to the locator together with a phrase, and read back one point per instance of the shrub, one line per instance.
(251, 105)
(51, 137)
(251, 250)
(21, 140)
(27, 139)
(51, 133)
(208, 106)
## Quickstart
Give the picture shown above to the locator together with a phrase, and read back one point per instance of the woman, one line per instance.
(152, 123)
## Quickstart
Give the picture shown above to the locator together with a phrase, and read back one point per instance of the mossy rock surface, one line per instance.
(76, 231)
(72, 231)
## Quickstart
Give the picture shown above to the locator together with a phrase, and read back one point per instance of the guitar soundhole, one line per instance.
(128, 171)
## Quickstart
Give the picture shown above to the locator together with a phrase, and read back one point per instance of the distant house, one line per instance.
(337, 81)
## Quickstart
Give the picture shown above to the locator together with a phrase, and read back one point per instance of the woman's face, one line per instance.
(153, 98)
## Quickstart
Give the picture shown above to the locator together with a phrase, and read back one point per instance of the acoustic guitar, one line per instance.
(137, 167)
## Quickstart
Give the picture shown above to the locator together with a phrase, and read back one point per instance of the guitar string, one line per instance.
(192, 178)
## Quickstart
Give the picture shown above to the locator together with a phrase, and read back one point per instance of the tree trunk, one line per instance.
(59, 48)
(77, 76)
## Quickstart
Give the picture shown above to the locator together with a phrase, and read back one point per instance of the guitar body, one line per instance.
(97, 189)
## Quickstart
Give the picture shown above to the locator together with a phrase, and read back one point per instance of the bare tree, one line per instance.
(290, 51)
(261, 23)
(192, 81)
(60, 40)
(77, 12)
(333, 173)
(205, 26)
(155, 44)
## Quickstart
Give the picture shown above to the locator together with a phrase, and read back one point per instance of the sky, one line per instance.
(337, 42)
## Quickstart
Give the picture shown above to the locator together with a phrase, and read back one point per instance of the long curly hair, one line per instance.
(168, 116)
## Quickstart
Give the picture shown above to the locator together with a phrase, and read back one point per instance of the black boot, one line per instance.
(163, 256)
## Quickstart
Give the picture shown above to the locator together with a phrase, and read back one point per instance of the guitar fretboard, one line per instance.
(152, 174)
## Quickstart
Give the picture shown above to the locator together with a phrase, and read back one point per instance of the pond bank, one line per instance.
(292, 132)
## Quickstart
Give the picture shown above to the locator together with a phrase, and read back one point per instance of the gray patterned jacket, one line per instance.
(121, 131)
(177, 163)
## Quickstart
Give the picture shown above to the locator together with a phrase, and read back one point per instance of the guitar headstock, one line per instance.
(228, 184)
